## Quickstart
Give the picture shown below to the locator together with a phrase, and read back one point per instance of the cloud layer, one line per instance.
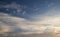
(40, 26)
(46, 22)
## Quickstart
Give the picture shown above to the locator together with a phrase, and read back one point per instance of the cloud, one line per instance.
(15, 8)
(9, 23)
(39, 26)
(47, 22)
(20, 23)
(13, 5)
(50, 19)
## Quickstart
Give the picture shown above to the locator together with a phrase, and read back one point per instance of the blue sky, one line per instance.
(30, 15)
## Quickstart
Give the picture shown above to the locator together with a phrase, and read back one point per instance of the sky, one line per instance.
(30, 16)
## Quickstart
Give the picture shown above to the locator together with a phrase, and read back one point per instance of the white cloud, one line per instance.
(18, 22)
(35, 26)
